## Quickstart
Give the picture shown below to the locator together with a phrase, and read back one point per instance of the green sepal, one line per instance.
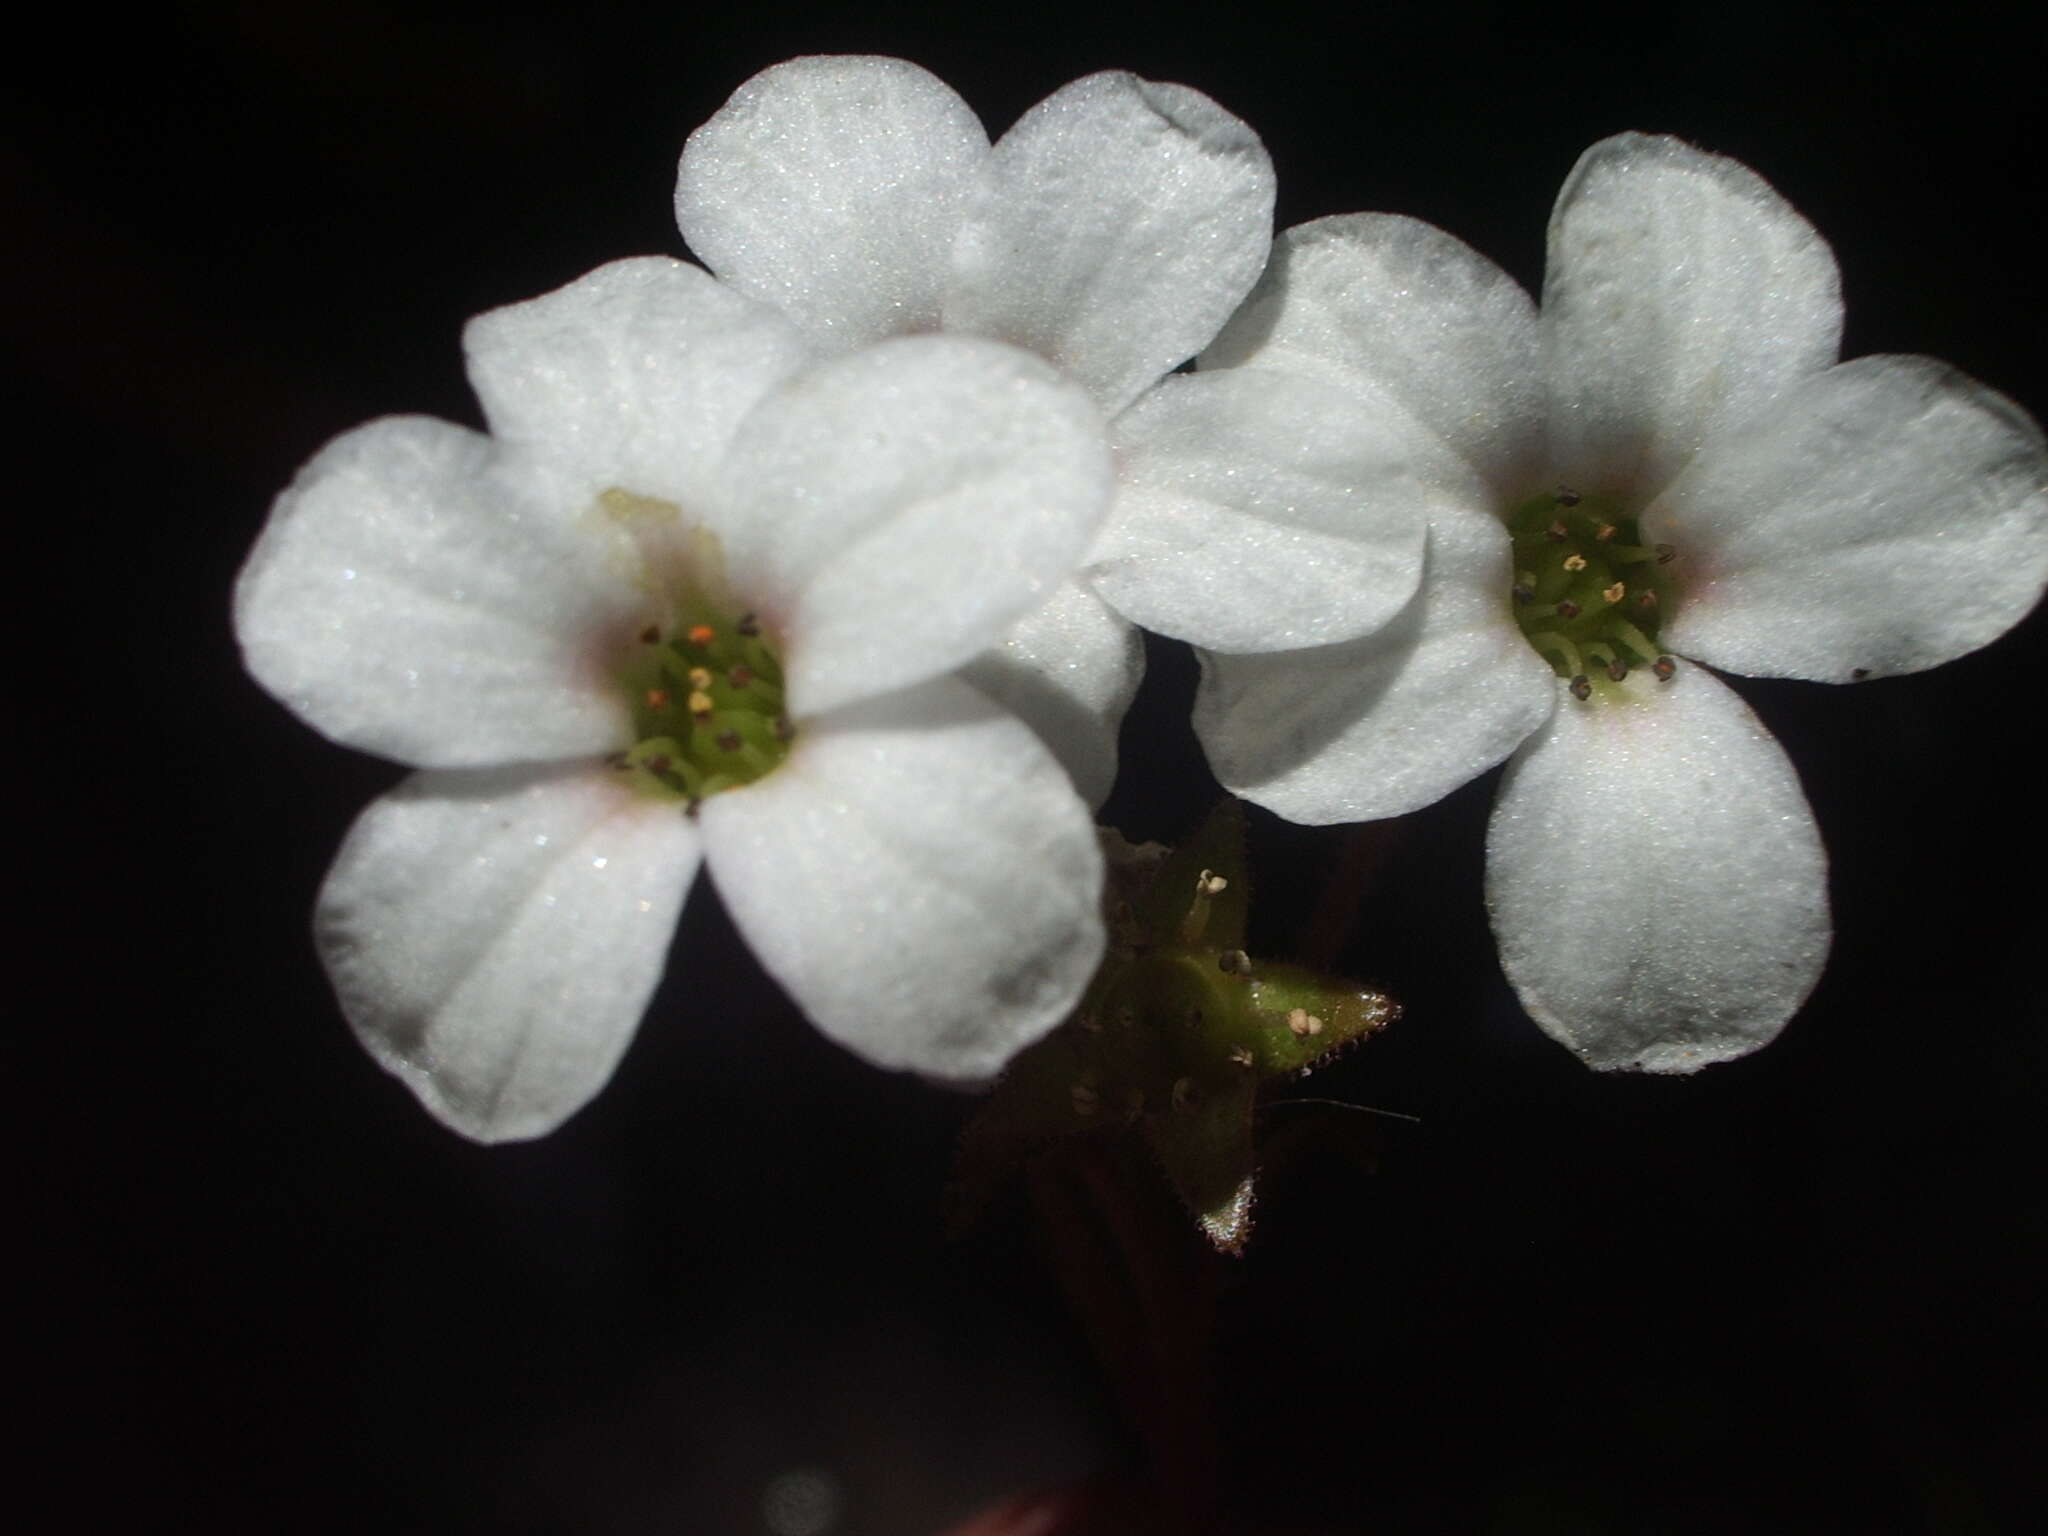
(1175, 1035)
(1205, 1145)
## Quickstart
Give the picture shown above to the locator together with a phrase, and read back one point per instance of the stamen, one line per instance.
(700, 679)
(1581, 687)
(651, 635)
(1241, 1055)
(1575, 562)
(702, 634)
(1646, 600)
(657, 698)
(1665, 668)
(1556, 532)
(748, 626)
(1615, 593)
(739, 676)
(1234, 962)
(1636, 640)
(1552, 643)
(1301, 1023)
(1567, 497)
(1524, 588)
(728, 739)
(701, 705)
(1604, 532)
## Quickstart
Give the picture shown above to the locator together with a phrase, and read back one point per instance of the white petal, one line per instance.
(421, 593)
(1119, 223)
(1414, 323)
(634, 376)
(1891, 515)
(1396, 721)
(1682, 295)
(494, 937)
(1068, 669)
(894, 512)
(1658, 887)
(922, 878)
(1258, 511)
(833, 188)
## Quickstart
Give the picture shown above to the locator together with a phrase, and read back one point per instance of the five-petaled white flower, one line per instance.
(1421, 526)
(1112, 231)
(696, 598)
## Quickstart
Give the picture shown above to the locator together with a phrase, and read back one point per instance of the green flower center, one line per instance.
(704, 683)
(1589, 593)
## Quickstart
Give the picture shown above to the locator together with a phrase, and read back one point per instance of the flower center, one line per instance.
(1588, 593)
(703, 682)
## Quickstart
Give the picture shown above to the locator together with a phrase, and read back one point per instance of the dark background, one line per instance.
(264, 1291)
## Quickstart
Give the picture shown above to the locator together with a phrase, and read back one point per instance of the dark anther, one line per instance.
(1582, 687)
(1604, 532)
(1567, 497)
(728, 741)
(1665, 668)
(783, 729)
(1647, 599)
(1666, 553)
(1556, 532)
(1523, 592)
(657, 764)
(1617, 670)
(650, 634)
(739, 677)
(748, 625)
(1567, 609)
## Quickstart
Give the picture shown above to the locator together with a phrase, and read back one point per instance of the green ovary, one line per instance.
(1588, 593)
(704, 686)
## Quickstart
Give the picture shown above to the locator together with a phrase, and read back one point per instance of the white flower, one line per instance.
(1112, 231)
(693, 599)
(1665, 462)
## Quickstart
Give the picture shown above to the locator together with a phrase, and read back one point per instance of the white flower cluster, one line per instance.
(819, 569)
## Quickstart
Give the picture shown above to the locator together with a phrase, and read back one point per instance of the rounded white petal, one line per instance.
(1068, 669)
(1891, 515)
(1682, 295)
(1118, 225)
(833, 188)
(1427, 333)
(890, 514)
(1395, 721)
(1258, 511)
(1657, 884)
(920, 876)
(634, 376)
(494, 937)
(421, 593)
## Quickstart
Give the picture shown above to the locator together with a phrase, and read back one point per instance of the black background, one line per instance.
(264, 1291)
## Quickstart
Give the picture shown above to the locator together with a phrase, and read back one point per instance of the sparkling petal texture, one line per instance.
(635, 376)
(1414, 323)
(422, 593)
(1258, 511)
(1657, 884)
(1393, 722)
(894, 512)
(833, 189)
(494, 937)
(1068, 669)
(1681, 295)
(1117, 226)
(1890, 515)
(920, 876)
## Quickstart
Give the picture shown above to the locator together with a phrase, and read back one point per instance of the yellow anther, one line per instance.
(700, 679)
(1209, 883)
(1615, 593)
(1575, 563)
(1303, 1023)
(700, 704)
